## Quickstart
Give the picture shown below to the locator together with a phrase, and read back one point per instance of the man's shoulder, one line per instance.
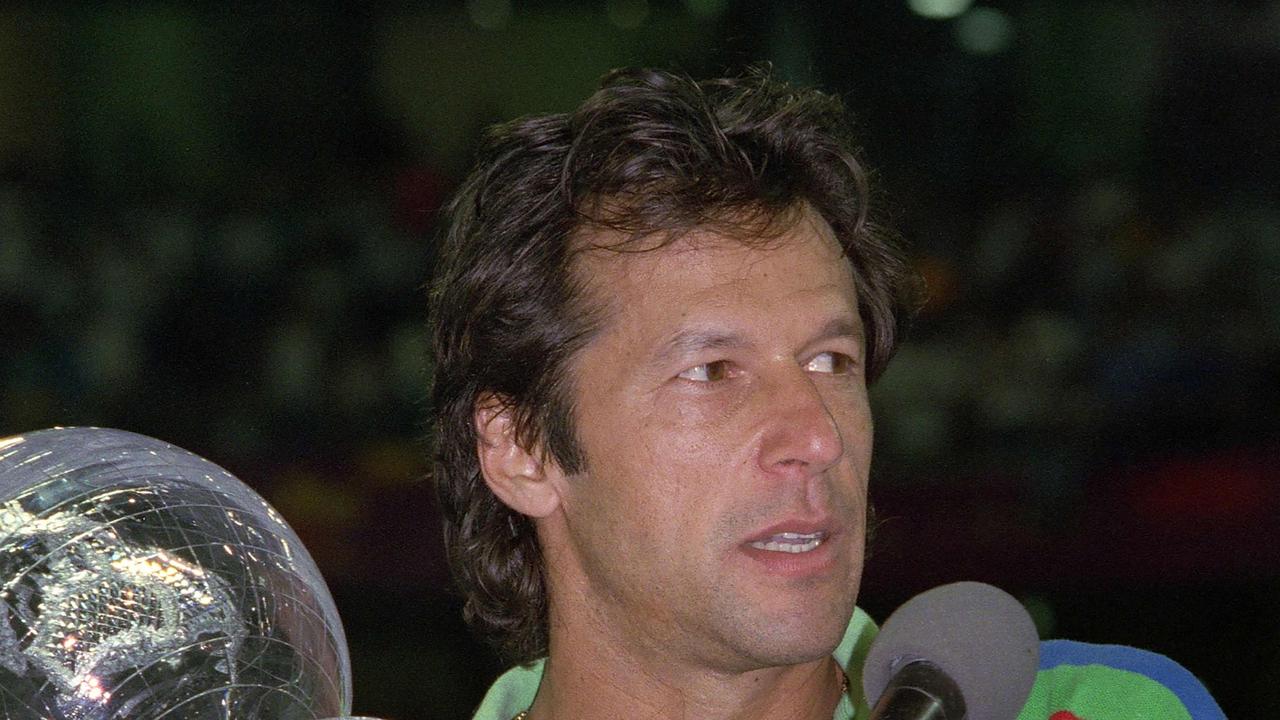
(1083, 681)
(1075, 681)
(511, 693)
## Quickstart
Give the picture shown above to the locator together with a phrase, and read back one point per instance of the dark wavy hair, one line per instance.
(649, 155)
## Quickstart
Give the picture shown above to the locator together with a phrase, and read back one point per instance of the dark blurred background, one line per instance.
(215, 224)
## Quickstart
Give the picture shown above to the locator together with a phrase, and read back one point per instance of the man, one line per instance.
(654, 323)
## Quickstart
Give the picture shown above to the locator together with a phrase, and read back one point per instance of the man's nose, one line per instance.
(801, 434)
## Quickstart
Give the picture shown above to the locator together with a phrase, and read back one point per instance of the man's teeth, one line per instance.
(790, 542)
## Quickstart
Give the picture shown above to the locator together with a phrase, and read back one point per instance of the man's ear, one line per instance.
(517, 475)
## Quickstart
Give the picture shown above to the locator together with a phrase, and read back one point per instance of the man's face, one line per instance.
(722, 411)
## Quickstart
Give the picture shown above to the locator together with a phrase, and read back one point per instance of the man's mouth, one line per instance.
(789, 542)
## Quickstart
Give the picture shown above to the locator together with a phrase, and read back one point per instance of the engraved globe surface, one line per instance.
(138, 580)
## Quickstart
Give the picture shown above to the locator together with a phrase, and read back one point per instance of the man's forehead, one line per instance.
(695, 279)
(603, 251)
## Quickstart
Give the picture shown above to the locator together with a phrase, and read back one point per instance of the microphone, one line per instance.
(964, 651)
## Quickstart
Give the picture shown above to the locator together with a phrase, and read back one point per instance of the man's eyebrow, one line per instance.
(690, 341)
(686, 342)
(841, 327)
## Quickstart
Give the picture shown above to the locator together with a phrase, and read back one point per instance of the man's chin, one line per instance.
(799, 636)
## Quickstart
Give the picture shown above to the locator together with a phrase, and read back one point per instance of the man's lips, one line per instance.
(790, 542)
(792, 536)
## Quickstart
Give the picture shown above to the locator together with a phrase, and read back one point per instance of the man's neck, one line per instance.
(596, 684)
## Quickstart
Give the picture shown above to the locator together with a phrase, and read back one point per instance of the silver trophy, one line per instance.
(140, 581)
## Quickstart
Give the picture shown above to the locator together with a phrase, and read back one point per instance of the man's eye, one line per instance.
(833, 363)
(707, 372)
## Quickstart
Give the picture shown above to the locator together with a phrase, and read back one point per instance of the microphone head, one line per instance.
(979, 635)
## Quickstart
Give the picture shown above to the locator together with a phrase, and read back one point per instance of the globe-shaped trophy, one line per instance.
(140, 581)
